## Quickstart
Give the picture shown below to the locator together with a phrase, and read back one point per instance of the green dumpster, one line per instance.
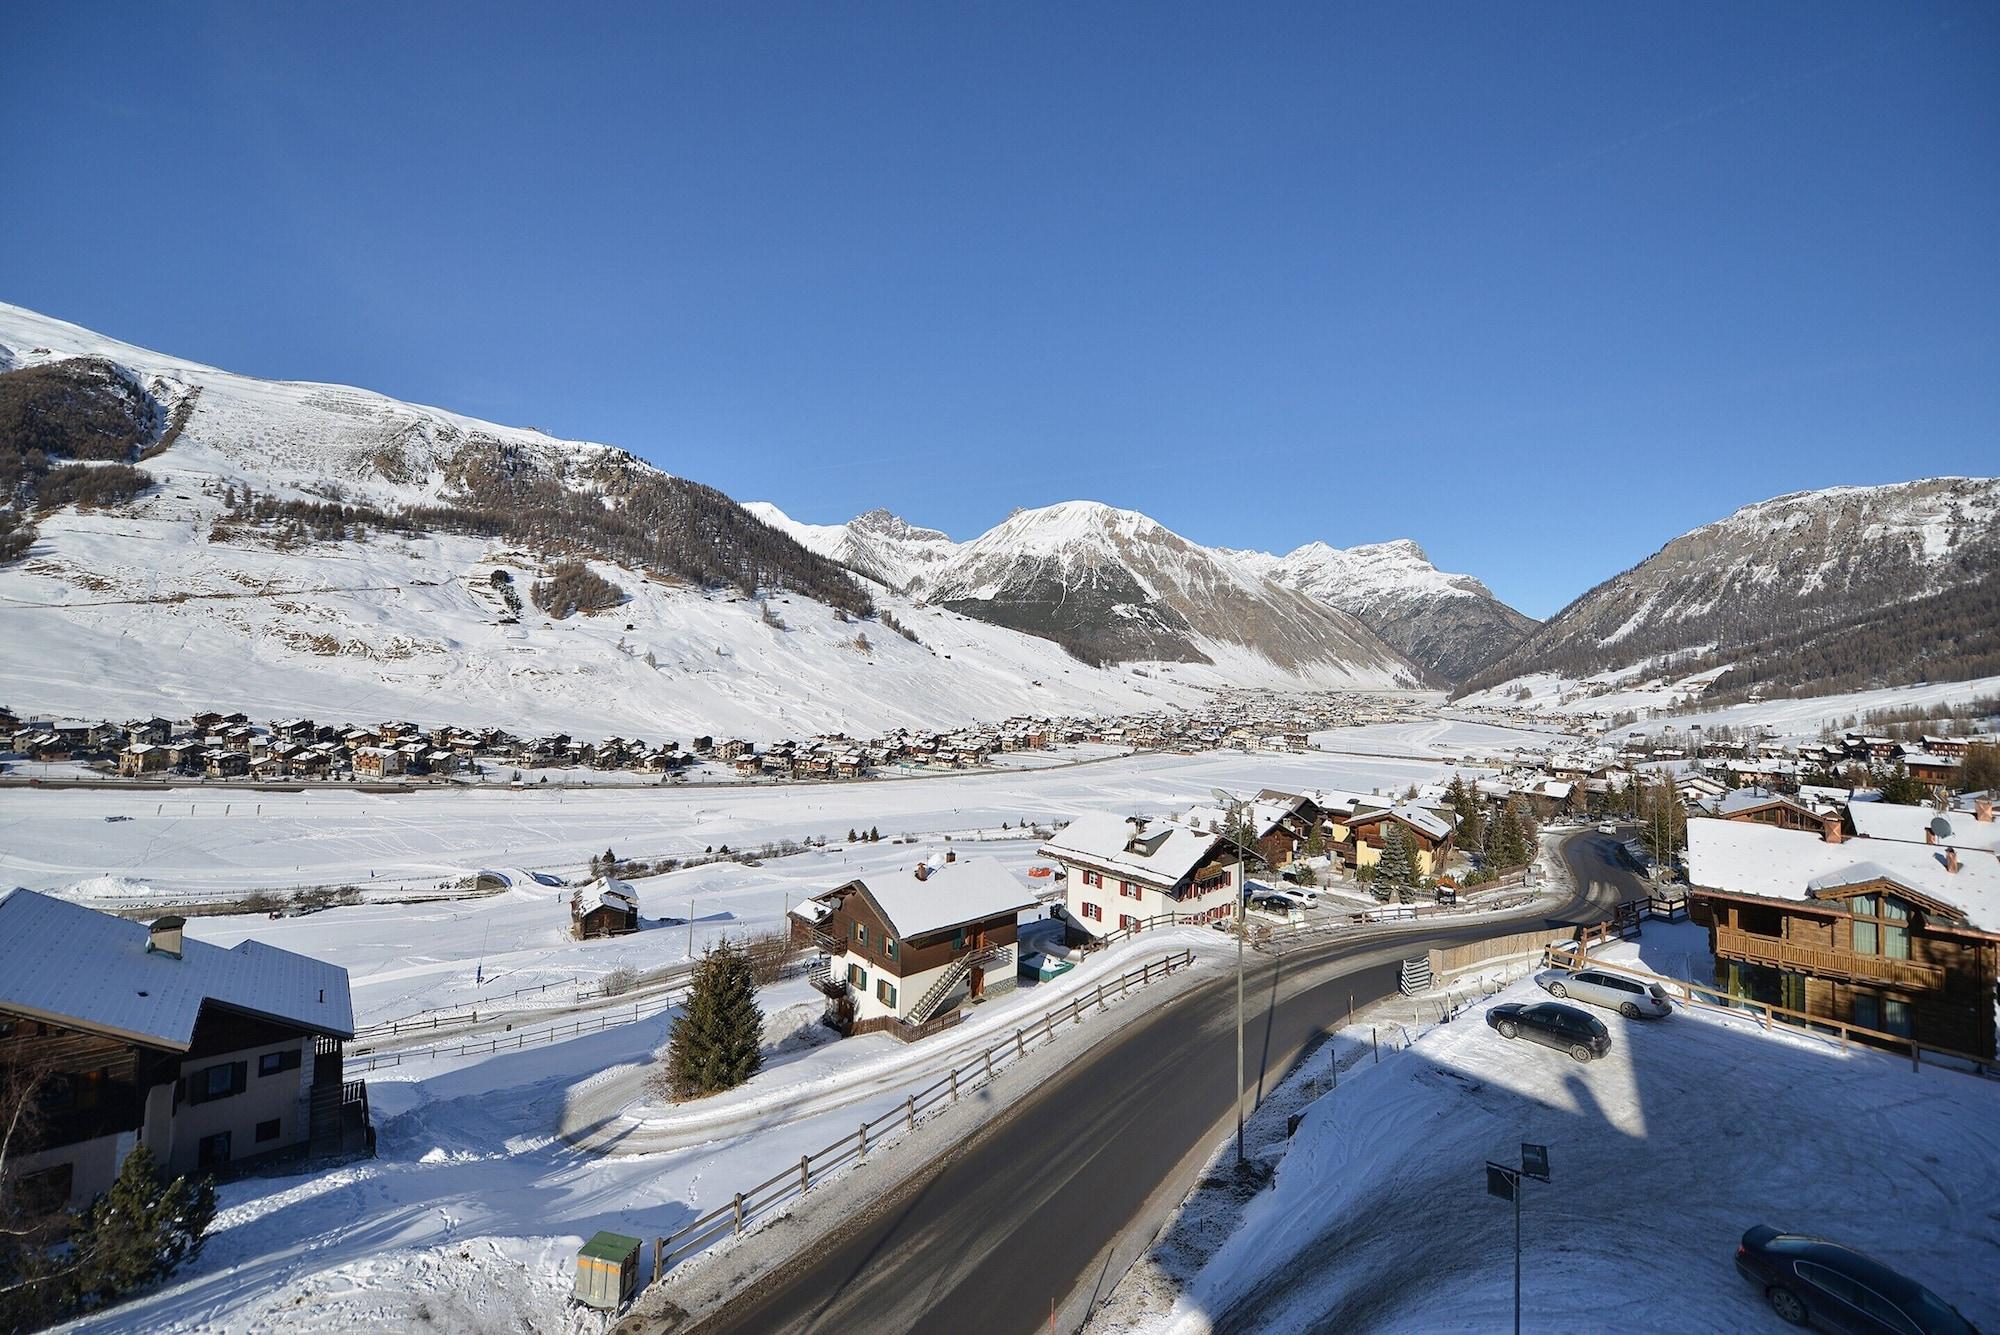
(607, 1271)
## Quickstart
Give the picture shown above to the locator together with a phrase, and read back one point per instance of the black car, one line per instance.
(1581, 1036)
(1813, 1281)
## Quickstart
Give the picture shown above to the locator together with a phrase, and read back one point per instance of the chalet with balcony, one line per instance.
(1426, 834)
(1764, 806)
(211, 1058)
(907, 950)
(142, 758)
(1898, 937)
(379, 762)
(1122, 872)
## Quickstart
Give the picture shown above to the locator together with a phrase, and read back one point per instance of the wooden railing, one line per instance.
(1709, 998)
(1823, 962)
(745, 1206)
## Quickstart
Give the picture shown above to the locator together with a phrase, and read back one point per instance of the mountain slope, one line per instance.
(879, 545)
(1115, 586)
(1449, 625)
(1824, 590)
(294, 548)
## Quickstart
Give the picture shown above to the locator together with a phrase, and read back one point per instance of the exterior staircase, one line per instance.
(1416, 976)
(932, 1001)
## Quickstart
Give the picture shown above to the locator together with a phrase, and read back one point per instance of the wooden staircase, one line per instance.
(933, 999)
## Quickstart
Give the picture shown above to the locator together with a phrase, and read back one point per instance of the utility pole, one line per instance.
(1242, 898)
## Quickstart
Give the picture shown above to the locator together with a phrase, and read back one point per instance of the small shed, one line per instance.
(607, 1271)
(605, 907)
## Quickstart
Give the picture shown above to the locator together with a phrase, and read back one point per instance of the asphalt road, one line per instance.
(1001, 1233)
(1593, 857)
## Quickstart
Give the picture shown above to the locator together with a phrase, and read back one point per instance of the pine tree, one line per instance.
(1507, 848)
(1394, 868)
(141, 1230)
(851, 837)
(874, 835)
(717, 1042)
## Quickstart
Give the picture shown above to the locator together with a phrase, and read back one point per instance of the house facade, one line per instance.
(210, 1058)
(1902, 938)
(910, 948)
(1122, 872)
(1359, 838)
(605, 907)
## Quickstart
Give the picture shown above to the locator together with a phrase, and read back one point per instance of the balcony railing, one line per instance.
(1821, 962)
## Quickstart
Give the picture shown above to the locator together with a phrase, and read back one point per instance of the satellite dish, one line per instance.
(1940, 827)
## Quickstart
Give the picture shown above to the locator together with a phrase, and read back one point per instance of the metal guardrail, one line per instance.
(795, 1181)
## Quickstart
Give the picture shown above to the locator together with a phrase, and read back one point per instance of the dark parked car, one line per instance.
(1813, 1281)
(1581, 1036)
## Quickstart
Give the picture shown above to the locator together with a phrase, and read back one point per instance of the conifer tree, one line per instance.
(1395, 868)
(717, 1041)
(1508, 848)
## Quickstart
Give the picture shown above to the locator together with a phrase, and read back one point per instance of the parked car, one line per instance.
(1630, 997)
(1606, 827)
(1810, 1281)
(1582, 1036)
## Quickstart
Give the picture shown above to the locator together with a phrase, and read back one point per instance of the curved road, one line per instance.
(1030, 1215)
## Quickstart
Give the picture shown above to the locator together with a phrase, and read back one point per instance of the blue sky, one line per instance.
(1539, 286)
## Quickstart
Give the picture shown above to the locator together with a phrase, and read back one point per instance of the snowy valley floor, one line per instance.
(1693, 1129)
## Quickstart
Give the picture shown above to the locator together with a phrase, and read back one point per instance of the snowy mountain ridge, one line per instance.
(300, 548)
(1841, 588)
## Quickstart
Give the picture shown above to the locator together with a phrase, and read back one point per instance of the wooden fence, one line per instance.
(506, 1042)
(745, 1206)
(1797, 1021)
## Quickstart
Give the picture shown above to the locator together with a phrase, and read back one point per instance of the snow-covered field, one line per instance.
(1431, 738)
(1802, 718)
(1689, 1132)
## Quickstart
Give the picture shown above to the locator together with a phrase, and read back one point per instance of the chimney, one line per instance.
(1982, 810)
(1830, 828)
(1951, 859)
(923, 871)
(164, 936)
(1930, 836)
(951, 855)
(1138, 824)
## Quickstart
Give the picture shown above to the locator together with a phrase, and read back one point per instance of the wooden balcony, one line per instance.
(1840, 965)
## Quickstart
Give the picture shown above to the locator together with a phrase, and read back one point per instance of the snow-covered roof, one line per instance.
(75, 964)
(1909, 824)
(969, 890)
(1416, 817)
(1165, 852)
(1744, 857)
(613, 893)
(1747, 799)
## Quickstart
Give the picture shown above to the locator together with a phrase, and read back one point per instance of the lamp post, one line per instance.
(1233, 803)
(1504, 1181)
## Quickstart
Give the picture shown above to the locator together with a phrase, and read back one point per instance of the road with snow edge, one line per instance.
(1033, 1219)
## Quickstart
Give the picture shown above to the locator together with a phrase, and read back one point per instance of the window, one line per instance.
(271, 1063)
(861, 932)
(212, 1150)
(1881, 926)
(1092, 878)
(885, 992)
(1896, 1017)
(857, 978)
(217, 1082)
(46, 1191)
(267, 1130)
(889, 946)
(1127, 921)
(1830, 1282)
(1128, 890)
(1094, 913)
(1867, 1011)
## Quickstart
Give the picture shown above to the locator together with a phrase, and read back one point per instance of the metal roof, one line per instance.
(65, 962)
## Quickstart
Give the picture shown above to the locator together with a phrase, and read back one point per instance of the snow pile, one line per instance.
(1690, 1131)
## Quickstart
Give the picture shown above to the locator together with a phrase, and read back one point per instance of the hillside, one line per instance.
(307, 548)
(1113, 585)
(1833, 590)
(1449, 625)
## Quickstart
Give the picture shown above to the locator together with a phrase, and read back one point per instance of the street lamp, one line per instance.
(1232, 802)
(1505, 1182)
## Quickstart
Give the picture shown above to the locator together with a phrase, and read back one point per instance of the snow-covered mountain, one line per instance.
(1449, 625)
(1829, 590)
(202, 538)
(1114, 585)
(888, 550)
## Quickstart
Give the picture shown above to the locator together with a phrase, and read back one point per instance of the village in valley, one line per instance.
(1108, 669)
(1837, 880)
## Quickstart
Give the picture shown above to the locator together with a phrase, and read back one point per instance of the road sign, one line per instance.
(1535, 1161)
(1501, 1181)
